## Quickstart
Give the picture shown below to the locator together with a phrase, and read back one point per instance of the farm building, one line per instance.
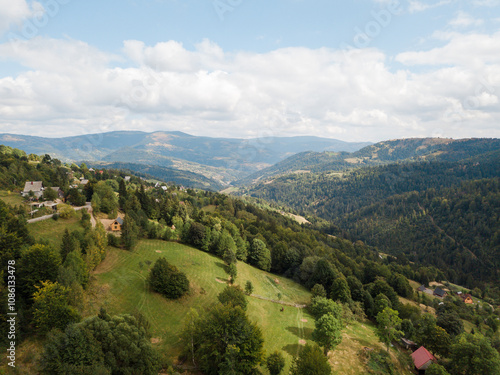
(467, 298)
(116, 225)
(33, 186)
(60, 193)
(408, 344)
(422, 359)
(440, 293)
(423, 289)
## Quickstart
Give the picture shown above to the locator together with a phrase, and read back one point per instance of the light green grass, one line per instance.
(11, 198)
(52, 231)
(120, 286)
(358, 337)
(210, 208)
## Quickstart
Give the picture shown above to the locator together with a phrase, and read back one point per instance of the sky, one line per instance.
(356, 70)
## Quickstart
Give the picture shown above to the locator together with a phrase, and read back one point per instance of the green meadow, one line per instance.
(120, 285)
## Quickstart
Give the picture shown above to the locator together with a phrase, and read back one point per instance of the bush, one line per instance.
(379, 363)
(311, 361)
(248, 287)
(275, 363)
(66, 211)
(233, 296)
(113, 240)
(167, 280)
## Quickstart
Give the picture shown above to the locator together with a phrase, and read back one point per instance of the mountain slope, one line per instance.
(407, 150)
(235, 158)
(438, 208)
(456, 229)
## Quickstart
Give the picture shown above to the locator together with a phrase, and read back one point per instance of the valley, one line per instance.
(316, 241)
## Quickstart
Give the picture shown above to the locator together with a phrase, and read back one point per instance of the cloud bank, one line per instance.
(69, 87)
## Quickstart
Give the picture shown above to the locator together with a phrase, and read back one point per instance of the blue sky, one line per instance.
(359, 70)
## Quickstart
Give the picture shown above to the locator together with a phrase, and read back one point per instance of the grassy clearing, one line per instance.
(11, 198)
(120, 285)
(210, 208)
(52, 231)
(230, 190)
(423, 308)
(347, 359)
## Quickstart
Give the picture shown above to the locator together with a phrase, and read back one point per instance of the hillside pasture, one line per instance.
(120, 285)
(52, 231)
(358, 340)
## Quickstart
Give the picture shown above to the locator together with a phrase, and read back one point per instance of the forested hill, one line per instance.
(397, 207)
(330, 195)
(180, 177)
(455, 229)
(382, 153)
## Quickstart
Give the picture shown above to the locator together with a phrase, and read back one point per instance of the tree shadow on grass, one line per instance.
(221, 265)
(292, 349)
(301, 334)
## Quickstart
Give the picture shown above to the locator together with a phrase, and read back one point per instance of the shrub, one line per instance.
(167, 280)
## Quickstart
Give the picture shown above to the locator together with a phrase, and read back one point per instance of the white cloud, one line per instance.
(486, 3)
(465, 20)
(71, 87)
(473, 50)
(420, 6)
(13, 12)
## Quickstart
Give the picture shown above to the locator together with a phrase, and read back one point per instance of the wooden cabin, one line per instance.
(116, 225)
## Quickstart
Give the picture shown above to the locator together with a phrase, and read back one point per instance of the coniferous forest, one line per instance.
(377, 233)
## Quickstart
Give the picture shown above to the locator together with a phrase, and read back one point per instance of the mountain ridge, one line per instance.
(381, 153)
(239, 157)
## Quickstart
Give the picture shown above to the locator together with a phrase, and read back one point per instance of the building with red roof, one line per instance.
(422, 358)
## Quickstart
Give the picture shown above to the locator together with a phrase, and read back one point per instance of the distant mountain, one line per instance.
(382, 153)
(176, 176)
(224, 159)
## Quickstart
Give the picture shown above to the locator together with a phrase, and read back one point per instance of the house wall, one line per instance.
(425, 365)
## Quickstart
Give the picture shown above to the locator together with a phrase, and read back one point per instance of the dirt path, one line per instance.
(299, 306)
(300, 326)
(41, 218)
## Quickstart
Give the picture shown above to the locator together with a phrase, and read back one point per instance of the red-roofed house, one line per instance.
(422, 358)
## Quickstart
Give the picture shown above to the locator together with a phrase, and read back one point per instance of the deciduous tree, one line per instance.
(260, 256)
(226, 342)
(233, 296)
(473, 355)
(311, 361)
(167, 280)
(328, 332)
(388, 326)
(321, 306)
(51, 309)
(38, 263)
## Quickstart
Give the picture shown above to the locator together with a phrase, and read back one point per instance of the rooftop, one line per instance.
(421, 356)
